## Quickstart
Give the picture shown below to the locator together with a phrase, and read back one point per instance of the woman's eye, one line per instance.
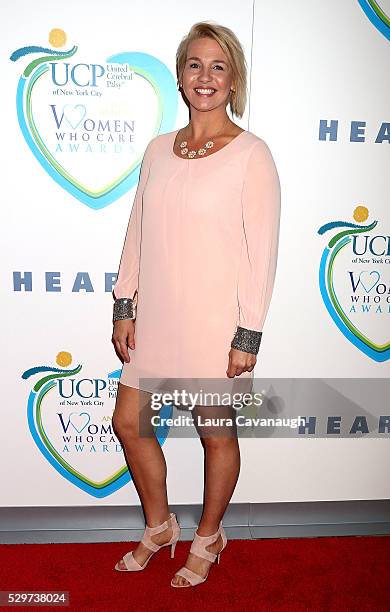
(196, 65)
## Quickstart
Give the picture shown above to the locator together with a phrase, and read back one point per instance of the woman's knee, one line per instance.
(124, 426)
(125, 417)
(220, 443)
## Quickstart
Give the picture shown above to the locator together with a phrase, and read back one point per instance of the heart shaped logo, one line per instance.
(80, 444)
(372, 279)
(74, 114)
(80, 421)
(89, 121)
(354, 294)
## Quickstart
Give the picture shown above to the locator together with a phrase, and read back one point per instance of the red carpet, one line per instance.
(328, 573)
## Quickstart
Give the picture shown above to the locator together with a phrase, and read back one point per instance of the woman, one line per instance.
(197, 268)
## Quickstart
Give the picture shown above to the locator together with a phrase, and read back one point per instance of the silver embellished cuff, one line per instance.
(124, 308)
(247, 340)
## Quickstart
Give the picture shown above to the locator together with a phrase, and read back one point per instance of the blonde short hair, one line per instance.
(233, 50)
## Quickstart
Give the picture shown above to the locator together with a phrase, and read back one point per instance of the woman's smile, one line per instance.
(204, 92)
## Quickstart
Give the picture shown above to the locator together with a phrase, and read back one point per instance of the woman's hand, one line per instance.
(239, 362)
(123, 337)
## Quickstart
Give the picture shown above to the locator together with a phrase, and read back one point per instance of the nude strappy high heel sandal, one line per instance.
(198, 548)
(130, 562)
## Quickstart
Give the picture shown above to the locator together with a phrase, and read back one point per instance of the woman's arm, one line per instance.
(127, 279)
(260, 226)
(126, 285)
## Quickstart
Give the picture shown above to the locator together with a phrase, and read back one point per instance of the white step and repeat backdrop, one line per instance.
(77, 78)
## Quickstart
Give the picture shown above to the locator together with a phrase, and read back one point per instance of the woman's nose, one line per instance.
(205, 75)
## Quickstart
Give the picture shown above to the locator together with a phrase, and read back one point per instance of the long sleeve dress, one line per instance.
(199, 260)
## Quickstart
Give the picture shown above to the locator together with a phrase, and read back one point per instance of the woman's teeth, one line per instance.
(204, 92)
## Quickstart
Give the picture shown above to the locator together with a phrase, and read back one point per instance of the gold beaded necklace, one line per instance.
(192, 153)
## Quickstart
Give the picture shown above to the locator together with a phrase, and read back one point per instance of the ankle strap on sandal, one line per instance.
(199, 544)
(149, 531)
(162, 527)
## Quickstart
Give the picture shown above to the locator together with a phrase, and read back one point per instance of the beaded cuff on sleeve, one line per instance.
(124, 308)
(247, 340)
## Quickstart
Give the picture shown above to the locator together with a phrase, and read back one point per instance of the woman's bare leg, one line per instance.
(145, 460)
(222, 468)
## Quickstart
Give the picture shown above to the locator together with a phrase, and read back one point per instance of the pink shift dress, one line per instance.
(199, 258)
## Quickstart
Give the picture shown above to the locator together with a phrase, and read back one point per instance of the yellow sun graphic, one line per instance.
(360, 213)
(64, 359)
(57, 37)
